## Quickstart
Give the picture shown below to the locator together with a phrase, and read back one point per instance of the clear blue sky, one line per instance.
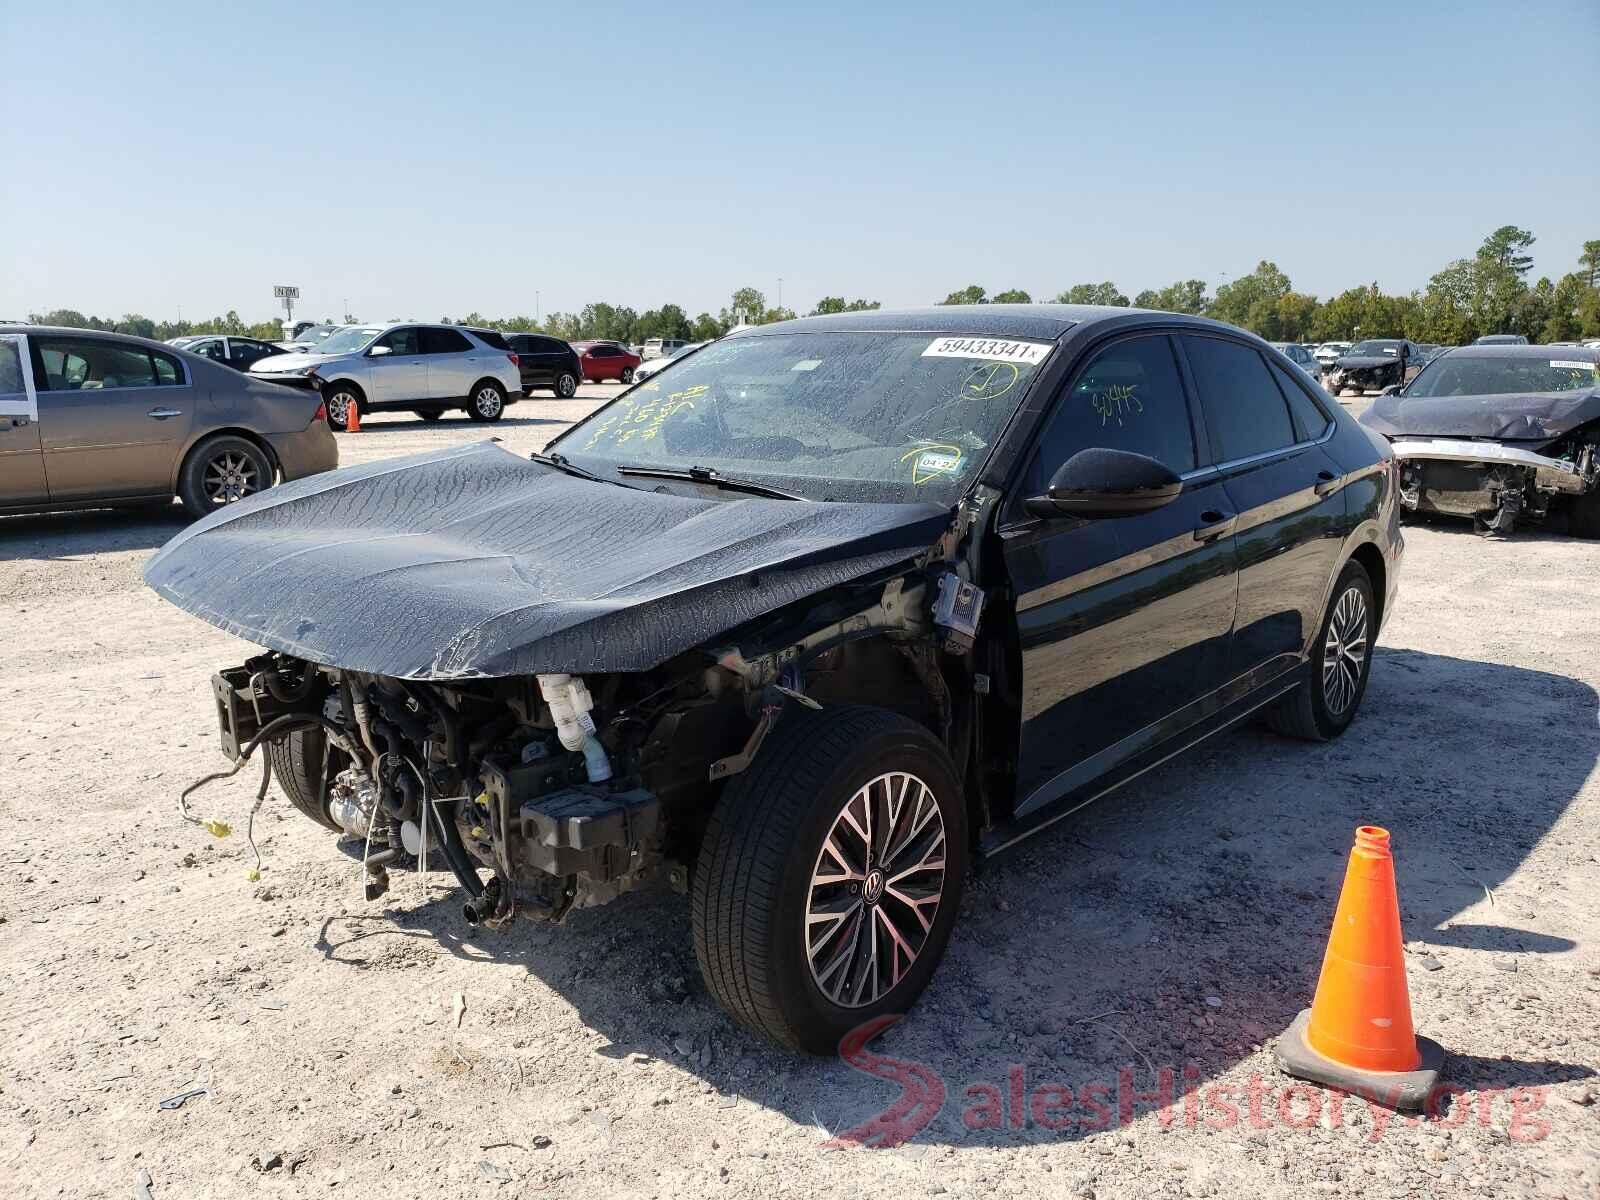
(423, 160)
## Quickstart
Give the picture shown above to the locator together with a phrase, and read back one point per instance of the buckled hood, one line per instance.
(1535, 418)
(475, 562)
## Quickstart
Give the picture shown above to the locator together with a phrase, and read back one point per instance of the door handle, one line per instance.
(161, 414)
(1326, 482)
(1217, 524)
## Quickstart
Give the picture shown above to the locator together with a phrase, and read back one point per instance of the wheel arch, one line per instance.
(239, 431)
(1371, 558)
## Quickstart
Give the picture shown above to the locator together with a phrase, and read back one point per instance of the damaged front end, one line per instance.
(569, 791)
(1497, 485)
(1364, 374)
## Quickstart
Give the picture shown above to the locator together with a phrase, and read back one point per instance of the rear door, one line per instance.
(1124, 622)
(454, 363)
(22, 478)
(113, 416)
(1266, 436)
(402, 374)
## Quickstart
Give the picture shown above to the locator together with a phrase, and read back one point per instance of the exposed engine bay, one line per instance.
(569, 791)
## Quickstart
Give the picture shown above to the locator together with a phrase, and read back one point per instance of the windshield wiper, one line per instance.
(562, 463)
(712, 477)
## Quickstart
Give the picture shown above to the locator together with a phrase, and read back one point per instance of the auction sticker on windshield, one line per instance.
(1572, 364)
(988, 349)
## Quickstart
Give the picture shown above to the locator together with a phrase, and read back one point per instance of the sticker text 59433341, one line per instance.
(989, 349)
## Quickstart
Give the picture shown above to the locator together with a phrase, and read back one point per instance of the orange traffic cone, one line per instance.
(352, 416)
(1357, 1035)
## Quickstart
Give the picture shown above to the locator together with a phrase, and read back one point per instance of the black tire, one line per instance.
(337, 400)
(430, 414)
(566, 385)
(1308, 712)
(487, 402)
(220, 471)
(754, 877)
(1583, 517)
(297, 766)
(626, 376)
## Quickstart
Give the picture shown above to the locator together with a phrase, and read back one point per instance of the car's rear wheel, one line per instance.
(488, 402)
(829, 876)
(338, 402)
(221, 471)
(1323, 706)
(566, 385)
(626, 376)
(430, 414)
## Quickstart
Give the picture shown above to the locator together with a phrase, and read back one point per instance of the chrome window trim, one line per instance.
(1224, 468)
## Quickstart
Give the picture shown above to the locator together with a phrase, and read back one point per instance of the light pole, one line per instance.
(537, 320)
(780, 291)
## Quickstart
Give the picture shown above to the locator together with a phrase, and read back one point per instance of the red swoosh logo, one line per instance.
(921, 1092)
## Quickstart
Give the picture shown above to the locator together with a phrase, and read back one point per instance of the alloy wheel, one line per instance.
(875, 889)
(339, 409)
(231, 476)
(1344, 652)
(487, 402)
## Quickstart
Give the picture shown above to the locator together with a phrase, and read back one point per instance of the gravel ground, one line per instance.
(388, 1048)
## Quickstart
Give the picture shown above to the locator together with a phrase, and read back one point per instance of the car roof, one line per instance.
(74, 331)
(1042, 321)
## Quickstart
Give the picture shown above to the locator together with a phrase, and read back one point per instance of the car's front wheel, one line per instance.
(338, 402)
(488, 402)
(566, 386)
(1323, 706)
(829, 875)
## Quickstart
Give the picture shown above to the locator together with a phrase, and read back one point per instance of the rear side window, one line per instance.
(444, 341)
(489, 337)
(88, 364)
(1245, 412)
(1129, 397)
(11, 385)
(1309, 420)
(168, 374)
(546, 345)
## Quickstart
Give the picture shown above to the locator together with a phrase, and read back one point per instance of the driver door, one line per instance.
(21, 456)
(402, 374)
(1124, 622)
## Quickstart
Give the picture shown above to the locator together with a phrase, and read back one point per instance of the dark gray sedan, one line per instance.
(90, 419)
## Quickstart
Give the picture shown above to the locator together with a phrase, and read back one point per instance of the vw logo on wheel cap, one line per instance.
(873, 887)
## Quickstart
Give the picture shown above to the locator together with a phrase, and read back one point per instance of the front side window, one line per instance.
(72, 365)
(401, 341)
(1245, 412)
(11, 385)
(829, 416)
(1130, 397)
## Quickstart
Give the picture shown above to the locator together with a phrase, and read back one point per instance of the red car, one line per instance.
(602, 361)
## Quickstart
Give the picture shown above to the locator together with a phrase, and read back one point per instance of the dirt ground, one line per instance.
(389, 1049)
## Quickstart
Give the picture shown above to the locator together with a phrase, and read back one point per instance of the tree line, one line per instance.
(1486, 292)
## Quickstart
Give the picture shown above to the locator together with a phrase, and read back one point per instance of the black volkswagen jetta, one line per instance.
(805, 622)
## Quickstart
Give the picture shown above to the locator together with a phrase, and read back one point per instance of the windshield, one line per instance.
(348, 341)
(1464, 375)
(312, 334)
(828, 416)
(1373, 349)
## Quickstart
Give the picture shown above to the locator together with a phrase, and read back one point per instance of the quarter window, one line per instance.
(1129, 397)
(1245, 412)
(1309, 419)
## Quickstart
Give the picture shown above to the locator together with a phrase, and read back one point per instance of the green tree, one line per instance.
(749, 303)
(1251, 301)
(668, 321)
(1508, 247)
(837, 304)
(1185, 296)
(1012, 296)
(1095, 293)
(971, 294)
(1589, 264)
(706, 328)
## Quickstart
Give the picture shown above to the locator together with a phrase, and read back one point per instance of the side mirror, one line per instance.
(1106, 483)
(380, 351)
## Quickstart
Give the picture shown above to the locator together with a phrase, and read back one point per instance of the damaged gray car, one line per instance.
(1375, 364)
(1501, 434)
(805, 624)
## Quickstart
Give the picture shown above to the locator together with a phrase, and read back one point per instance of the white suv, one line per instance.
(424, 368)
